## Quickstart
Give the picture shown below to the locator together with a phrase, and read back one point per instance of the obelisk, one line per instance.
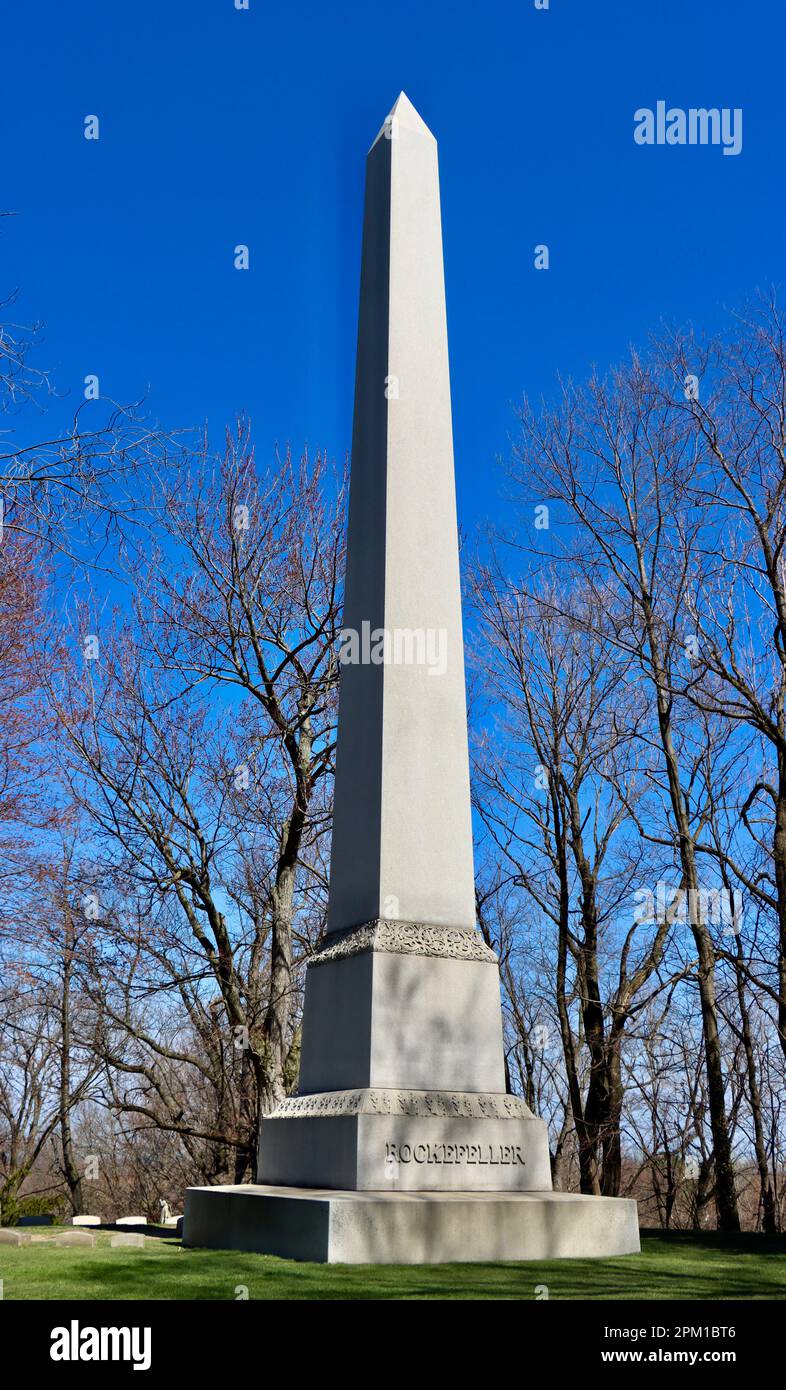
(401, 1144)
(401, 874)
(402, 834)
(401, 879)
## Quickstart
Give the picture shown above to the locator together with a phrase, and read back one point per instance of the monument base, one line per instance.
(326, 1226)
(410, 1141)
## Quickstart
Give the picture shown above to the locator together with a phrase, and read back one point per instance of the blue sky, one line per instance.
(221, 126)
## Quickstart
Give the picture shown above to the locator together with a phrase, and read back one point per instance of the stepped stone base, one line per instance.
(405, 1141)
(332, 1227)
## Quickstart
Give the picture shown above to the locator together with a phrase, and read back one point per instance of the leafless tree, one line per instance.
(201, 740)
(548, 777)
(614, 461)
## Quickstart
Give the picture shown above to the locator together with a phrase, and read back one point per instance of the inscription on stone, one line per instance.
(454, 1153)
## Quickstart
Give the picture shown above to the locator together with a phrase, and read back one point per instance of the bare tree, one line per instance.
(548, 782)
(737, 489)
(615, 458)
(201, 740)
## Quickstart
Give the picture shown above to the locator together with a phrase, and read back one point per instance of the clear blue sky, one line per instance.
(221, 126)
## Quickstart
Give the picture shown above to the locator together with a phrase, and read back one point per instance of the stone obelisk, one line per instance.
(401, 1144)
(401, 874)
(402, 837)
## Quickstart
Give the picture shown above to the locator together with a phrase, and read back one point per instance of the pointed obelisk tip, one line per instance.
(403, 115)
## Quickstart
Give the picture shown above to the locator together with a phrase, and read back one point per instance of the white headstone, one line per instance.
(9, 1235)
(75, 1238)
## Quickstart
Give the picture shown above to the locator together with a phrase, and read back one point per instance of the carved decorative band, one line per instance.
(459, 1105)
(405, 939)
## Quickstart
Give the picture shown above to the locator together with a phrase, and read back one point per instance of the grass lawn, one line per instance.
(671, 1265)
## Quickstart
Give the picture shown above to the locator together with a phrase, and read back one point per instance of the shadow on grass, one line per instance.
(672, 1265)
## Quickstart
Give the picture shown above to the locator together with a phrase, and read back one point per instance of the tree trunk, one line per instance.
(70, 1167)
(725, 1190)
(766, 1194)
(278, 1016)
(779, 854)
(588, 1174)
(611, 1180)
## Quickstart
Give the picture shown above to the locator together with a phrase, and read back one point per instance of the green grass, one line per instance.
(671, 1265)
